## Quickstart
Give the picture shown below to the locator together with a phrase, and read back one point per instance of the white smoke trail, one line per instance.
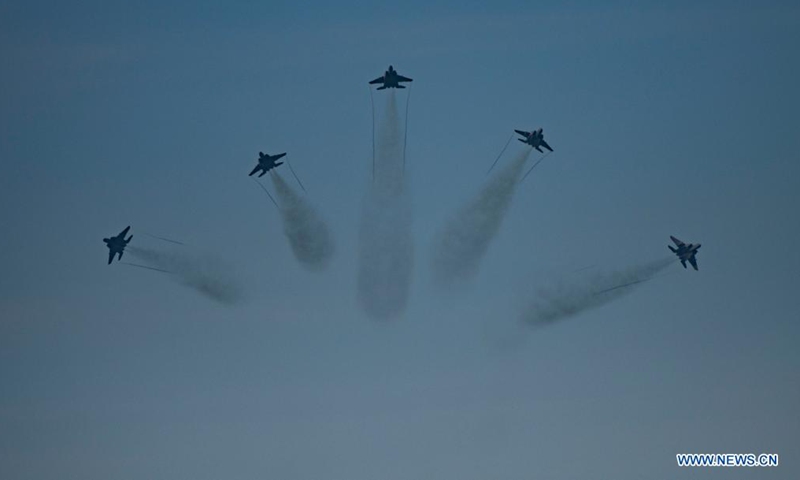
(466, 237)
(562, 301)
(308, 234)
(386, 247)
(206, 274)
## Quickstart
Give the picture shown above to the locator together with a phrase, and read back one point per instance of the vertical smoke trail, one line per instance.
(466, 236)
(308, 234)
(563, 301)
(389, 174)
(386, 247)
(208, 275)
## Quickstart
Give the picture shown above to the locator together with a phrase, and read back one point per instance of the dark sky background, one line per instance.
(666, 120)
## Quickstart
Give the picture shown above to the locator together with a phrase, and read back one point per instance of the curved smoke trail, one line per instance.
(563, 301)
(208, 275)
(460, 247)
(386, 247)
(308, 234)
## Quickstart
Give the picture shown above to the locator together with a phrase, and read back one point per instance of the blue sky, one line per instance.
(666, 120)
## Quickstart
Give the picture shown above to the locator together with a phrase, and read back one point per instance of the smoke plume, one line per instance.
(565, 300)
(386, 247)
(308, 234)
(460, 247)
(207, 275)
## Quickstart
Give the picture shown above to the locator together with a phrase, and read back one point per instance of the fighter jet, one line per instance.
(391, 79)
(116, 245)
(685, 252)
(535, 139)
(267, 163)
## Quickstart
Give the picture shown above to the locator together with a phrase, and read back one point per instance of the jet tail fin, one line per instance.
(129, 239)
(381, 88)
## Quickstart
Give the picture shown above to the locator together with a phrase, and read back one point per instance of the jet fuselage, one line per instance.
(685, 252)
(535, 138)
(116, 245)
(390, 79)
(267, 162)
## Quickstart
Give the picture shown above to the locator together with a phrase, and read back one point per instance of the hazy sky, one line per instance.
(678, 120)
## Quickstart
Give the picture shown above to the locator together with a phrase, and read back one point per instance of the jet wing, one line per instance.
(545, 145)
(522, 132)
(677, 242)
(110, 256)
(377, 80)
(278, 156)
(401, 78)
(693, 261)
(124, 232)
(255, 170)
